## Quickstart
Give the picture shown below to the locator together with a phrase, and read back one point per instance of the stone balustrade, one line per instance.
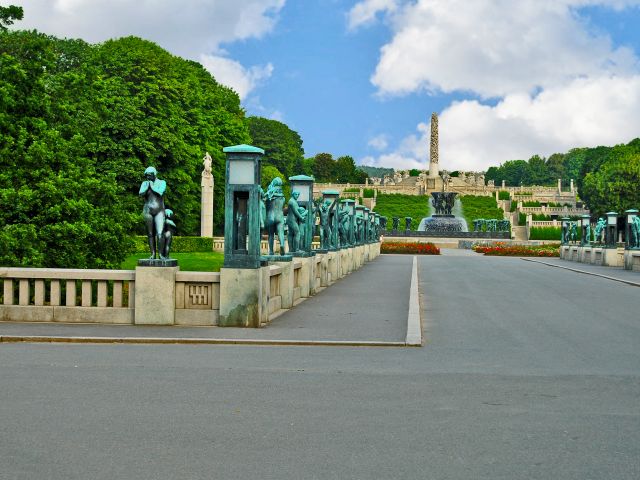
(564, 211)
(109, 296)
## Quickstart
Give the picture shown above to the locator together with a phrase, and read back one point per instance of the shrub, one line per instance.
(351, 190)
(503, 195)
(179, 244)
(532, 203)
(413, 248)
(367, 193)
(545, 233)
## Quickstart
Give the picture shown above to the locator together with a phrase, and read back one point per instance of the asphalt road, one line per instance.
(528, 372)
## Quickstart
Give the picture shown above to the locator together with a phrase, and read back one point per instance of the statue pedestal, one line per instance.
(206, 206)
(244, 297)
(156, 262)
(155, 295)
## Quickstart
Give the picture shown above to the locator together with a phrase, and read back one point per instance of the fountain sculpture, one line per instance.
(443, 221)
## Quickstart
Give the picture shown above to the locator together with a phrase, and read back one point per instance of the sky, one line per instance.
(508, 78)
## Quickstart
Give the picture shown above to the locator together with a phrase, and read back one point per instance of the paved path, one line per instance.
(529, 372)
(369, 305)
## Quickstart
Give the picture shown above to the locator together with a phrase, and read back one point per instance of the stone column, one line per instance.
(244, 297)
(206, 205)
(434, 169)
(572, 191)
(559, 185)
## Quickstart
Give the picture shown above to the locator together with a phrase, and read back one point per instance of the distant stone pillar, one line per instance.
(559, 185)
(503, 184)
(572, 191)
(434, 170)
(206, 206)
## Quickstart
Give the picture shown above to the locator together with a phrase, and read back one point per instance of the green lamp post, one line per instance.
(303, 184)
(612, 229)
(242, 207)
(365, 236)
(586, 230)
(564, 236)
(359, 224)
(351, 234)
(631, 232)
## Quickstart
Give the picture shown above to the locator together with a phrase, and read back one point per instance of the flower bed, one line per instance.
(413, 248)
(502, 249)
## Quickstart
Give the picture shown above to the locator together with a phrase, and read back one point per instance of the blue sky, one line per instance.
(509, 78)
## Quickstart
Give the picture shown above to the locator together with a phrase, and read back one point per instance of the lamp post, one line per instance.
(565, 231)
(332, 196)
(632, 234)
(586, 230)
(612, 229)
(242, 207)
(359, 228)
(304, 186)
(366, 225)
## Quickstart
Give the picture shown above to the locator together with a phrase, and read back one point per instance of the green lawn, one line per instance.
(190, 262)
(398, 205)
(475, 207)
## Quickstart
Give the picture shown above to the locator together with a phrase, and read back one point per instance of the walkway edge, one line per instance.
(414, 325)
(628, 282)
(196, 341)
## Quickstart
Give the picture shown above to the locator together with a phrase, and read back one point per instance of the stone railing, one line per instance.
(167, 297)
(554, 210)
(65, 295)
(218, 245)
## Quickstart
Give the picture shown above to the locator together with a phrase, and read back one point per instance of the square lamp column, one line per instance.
(242, 207)
(332, 196)
(564, 238)
(304, 186)
(366, 225)
(586, 230)
(360, 228)
(631, 242)
(612, 229)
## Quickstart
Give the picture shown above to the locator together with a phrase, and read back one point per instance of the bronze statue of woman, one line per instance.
(152, 189)
(275, 217)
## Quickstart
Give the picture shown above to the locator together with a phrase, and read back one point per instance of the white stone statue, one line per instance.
(206, 161)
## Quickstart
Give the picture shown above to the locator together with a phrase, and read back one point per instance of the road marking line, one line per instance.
(414, 326)
(628, 282)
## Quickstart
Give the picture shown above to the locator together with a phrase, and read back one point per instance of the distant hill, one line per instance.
(376, 171)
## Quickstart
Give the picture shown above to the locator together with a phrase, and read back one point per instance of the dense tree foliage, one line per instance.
(8, 15)
(326, 169)
(379, 172)
(282, 146)
(80, 123)
(607, 178)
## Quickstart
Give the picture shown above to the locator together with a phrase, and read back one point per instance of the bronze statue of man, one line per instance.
(295, 217)
(152, 190)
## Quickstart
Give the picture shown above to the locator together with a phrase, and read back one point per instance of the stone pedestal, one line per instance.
(286, 284)
(206, 206)
(244, 297)
(304, 276)
(155, 295)
(324, 270)
(334, 267)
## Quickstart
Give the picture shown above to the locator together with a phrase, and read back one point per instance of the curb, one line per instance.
(628, 282)
(414, 326)
(195, 341)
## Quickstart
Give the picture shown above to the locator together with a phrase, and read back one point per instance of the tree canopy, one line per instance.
(79, 125)
(282, 146)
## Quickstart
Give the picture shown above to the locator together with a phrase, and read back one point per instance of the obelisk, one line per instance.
(434, 171)
(206, 206)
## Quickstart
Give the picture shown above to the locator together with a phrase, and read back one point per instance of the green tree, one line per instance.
(8, 15)
(324, 168)
(282, 146)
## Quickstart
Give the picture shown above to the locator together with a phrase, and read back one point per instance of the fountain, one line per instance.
(443, 221)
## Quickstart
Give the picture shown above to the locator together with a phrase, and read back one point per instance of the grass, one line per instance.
(475, 207)
(189, 262)
(398, 205)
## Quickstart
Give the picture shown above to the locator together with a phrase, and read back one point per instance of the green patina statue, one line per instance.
(325, 224)
(296, 217)
(153, 212)
(343, 224)
(634, 241)
(274, 199)
(598, 231)
(168, 232)
(407, 223)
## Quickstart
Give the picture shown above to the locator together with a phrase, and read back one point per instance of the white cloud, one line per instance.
(558, 84)
(493, 47)
(190, 28)
(233, 74)
(365, 12)
(379, 142)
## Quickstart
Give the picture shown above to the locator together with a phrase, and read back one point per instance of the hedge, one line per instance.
(503, 195)
(545, 233)
(178, 245)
